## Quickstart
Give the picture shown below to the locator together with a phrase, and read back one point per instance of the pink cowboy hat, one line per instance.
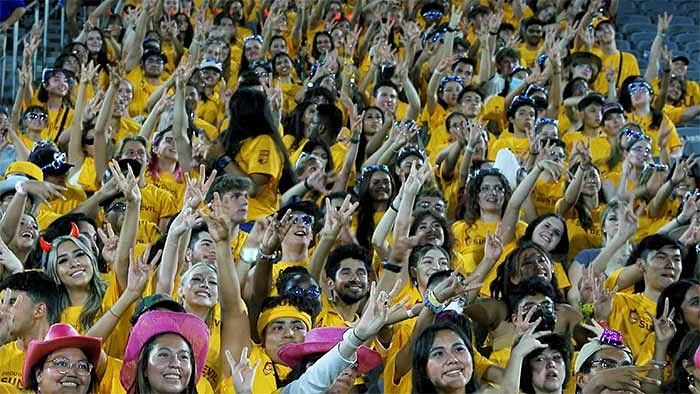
(321, 340)
(60, 336)
(151, 324)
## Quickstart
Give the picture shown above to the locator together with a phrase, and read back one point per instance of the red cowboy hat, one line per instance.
(60, 336)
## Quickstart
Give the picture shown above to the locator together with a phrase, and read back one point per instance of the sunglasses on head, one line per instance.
(59, 160)
(312, 292)
(639, 86)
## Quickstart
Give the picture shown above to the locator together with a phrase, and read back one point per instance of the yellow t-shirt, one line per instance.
(212, 367)
(142, 91)
(624, 63)
(600, 147)
(127, 126)
(265, 381)
(169, 183)
(329, 316)
(156, 204)
(209, 110)
(11, 362)
(629, 316)
(53, 125)
(470, 240)
(494, 110)
(88, 177)
(528, 57)
(74, 196)
(546, 194)
(580, 238)
(517, 145)
(259, 155)
(674, 141)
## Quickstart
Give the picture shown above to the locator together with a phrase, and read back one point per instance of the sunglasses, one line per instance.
(312, 292)
(305, 219)
(35, 116)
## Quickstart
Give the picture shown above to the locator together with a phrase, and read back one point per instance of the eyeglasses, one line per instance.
(261, 74)
(544, 306)
(118, 206)
(306, 156)
(608, 363)
(63, 365)
(306, 220)
(640, 149)
(312, 292)
(557, 155)
(498, 189)
(637, 87)
(59, 160)
(153, 60)
(438, 206)
(36, 115)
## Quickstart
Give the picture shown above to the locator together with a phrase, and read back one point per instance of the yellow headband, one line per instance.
(280, 312)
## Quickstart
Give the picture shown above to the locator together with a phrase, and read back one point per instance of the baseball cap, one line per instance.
(681, 58)
(50, 162)
(155, 302)
(589, 99)
(507, 52)
(612, 108)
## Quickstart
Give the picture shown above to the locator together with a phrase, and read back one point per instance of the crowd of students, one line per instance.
(349, 196)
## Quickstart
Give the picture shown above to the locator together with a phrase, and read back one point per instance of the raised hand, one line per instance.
(663, 22)
(242, 373)
(529, 341)
(337, 218)
(127, 184)
(376, 311)
(109, 242)
(493, 248)
(626, 379)
(453, 286)
(218, 221)
(140, 271)
(198, 188)
(664, 326)
(275, 232)
(602, 299)
(7, 313)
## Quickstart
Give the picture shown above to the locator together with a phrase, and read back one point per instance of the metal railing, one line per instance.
(13, 57)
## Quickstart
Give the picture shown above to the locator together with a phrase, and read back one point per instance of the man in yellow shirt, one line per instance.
(32, 296)
(233, 191)
(659, 257)
(146, 79)
(624, 63)
(347, 271)
(532, 31)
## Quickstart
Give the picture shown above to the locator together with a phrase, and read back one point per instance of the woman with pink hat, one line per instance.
(165, 353)
(64, 362)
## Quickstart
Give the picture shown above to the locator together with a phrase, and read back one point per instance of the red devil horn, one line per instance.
(45, 246)
(74, 230)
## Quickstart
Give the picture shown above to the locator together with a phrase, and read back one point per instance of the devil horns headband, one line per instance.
(46, 246)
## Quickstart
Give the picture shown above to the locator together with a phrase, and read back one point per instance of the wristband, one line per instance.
(603, 323)
(658, 363)
(306, 184)
(355, 140)
(19, 187)
(432, 303)
(392, 207)
(389, 266)
(224, 161)
(274, 256)
(409, 311)
(112, 313)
